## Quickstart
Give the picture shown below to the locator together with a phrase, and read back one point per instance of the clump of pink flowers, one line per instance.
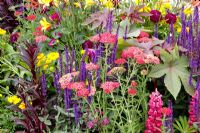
(192, 110)
(105, 37)
(91, 67)
(154, 121)
(109, 86)
(139, 56)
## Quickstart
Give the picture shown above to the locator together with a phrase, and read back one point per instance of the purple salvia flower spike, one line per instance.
(126, 32)
(115, 46)
(60, 63)
(156, 30)
(57, 77)
(67, 60)
(76, 114)
(44, 84)
(196, 19)
(66, 100)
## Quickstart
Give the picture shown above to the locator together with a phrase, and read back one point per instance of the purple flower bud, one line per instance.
(156, 16)
(170, 18)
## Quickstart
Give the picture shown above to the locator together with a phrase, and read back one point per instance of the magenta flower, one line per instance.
(109, 86)
(14, 37)
(154, 121)
(105, 122)
(156, 16)
(55, 17)
(192, 110)
(87, 44)
(170, 18)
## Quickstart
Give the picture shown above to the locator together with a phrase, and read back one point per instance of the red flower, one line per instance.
(134, 83)
(92, 67)
(77, 86)
(83, 92)
(41, 38)
(156, 16)
(143, 34)
(170, 18)
(132, 91)
(109, 86)
(31, 17)
(166, 111)
(104, 38)
(120, 61)
(140, 60)
(17, 13)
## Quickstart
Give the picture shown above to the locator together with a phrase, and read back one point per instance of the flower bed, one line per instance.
(100, 66)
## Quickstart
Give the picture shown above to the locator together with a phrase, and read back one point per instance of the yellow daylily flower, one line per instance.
(108, 4)
(138, 2)
(22, 105)
(53, 56)
(45, 2)
(89, 3)
(77, 4)
(2, 31)
(45, 25)
(187, 11)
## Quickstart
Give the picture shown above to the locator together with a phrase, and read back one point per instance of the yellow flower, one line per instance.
(77, 4)
(187, 29)
(163, 7)
(145, 9)
(82, 52)
(138, 2)
(22, 105)
(89, 3)
(41, 58)
(45, 66)
(45, 25)
(53, 56)
(187, 11)
(178, 29)
(45, 2)
(13, 99)
(108, 4)
(2, 31)
(1, 95)
(56, 2)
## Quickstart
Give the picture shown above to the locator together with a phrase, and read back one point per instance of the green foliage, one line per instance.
(181, 125)
(174, 68)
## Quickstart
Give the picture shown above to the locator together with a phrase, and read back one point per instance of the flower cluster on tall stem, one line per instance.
(154, 121)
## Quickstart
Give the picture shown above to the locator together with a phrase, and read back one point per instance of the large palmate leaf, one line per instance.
(98, 19)
(174, 68)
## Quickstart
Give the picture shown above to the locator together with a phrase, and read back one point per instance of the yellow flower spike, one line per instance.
(45, 25)
(89, 3)
(2, 31)
(45, 2)
(77, 4)
(187, 11)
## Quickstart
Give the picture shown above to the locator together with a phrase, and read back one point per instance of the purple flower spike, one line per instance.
(183, 30)
(56, 81)
(67, 99)
(60, 63)
(196, 19)
(76, 113)
(44, 84)
(156, 30)
(67, 60)
(168, 123)
(115, 46)
(125, 33)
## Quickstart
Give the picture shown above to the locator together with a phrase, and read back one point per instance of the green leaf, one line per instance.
(175, 70)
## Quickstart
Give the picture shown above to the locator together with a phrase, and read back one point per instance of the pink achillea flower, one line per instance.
(105, 37)
(116, 70)
(132, 52)
(77, 86)
(83, 92)
(31, 17)
(144, 40)
(41, 38)
(92, 67)
(143, 34)
(120, 61)
(133, 83)
(65, 81)
(151, 59)
(109, 86)
(192, 111)
(154, 121)
(132, 91)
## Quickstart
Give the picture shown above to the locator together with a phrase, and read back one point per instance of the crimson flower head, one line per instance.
(87, 44)
(31, 17)
(133, 83)
(14, 37)
(83, 92)
(105, 37)
(109, 86)
(170, 18)
(156, 16)
(55, 17)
